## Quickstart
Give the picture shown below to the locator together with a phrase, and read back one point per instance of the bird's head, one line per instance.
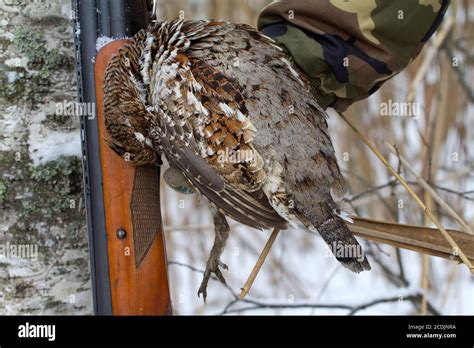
(127, 120)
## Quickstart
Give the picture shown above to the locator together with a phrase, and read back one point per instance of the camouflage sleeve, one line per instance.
(349, 48)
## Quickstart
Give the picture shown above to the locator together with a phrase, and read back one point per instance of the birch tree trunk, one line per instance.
(44, 267)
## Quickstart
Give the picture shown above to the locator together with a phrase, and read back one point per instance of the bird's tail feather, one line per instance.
(337, 236)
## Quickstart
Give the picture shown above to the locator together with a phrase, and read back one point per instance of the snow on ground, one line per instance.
(298, 270)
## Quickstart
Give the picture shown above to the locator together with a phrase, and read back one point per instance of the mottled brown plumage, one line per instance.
(231, 114)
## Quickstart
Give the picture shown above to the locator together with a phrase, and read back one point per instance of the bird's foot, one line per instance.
(212, 266)
(221, 228)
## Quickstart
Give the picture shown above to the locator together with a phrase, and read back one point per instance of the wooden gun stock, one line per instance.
(137, 254)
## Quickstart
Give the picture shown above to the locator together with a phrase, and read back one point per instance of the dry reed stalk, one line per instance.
(433, 193)
(429, 214)
(451, 278)
(425, 266)
(258, 265)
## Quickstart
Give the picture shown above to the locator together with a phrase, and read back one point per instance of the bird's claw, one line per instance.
(212, 267)
(222, 264)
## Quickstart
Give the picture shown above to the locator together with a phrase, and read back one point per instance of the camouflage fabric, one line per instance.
(348, 48)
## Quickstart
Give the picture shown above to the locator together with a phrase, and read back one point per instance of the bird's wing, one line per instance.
(288, 118)
(204, 130)
(291, 132)
(250, 208)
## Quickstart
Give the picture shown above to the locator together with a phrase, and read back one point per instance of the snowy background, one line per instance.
(41, 194)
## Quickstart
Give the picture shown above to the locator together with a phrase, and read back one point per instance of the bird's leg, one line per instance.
(221, 228)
